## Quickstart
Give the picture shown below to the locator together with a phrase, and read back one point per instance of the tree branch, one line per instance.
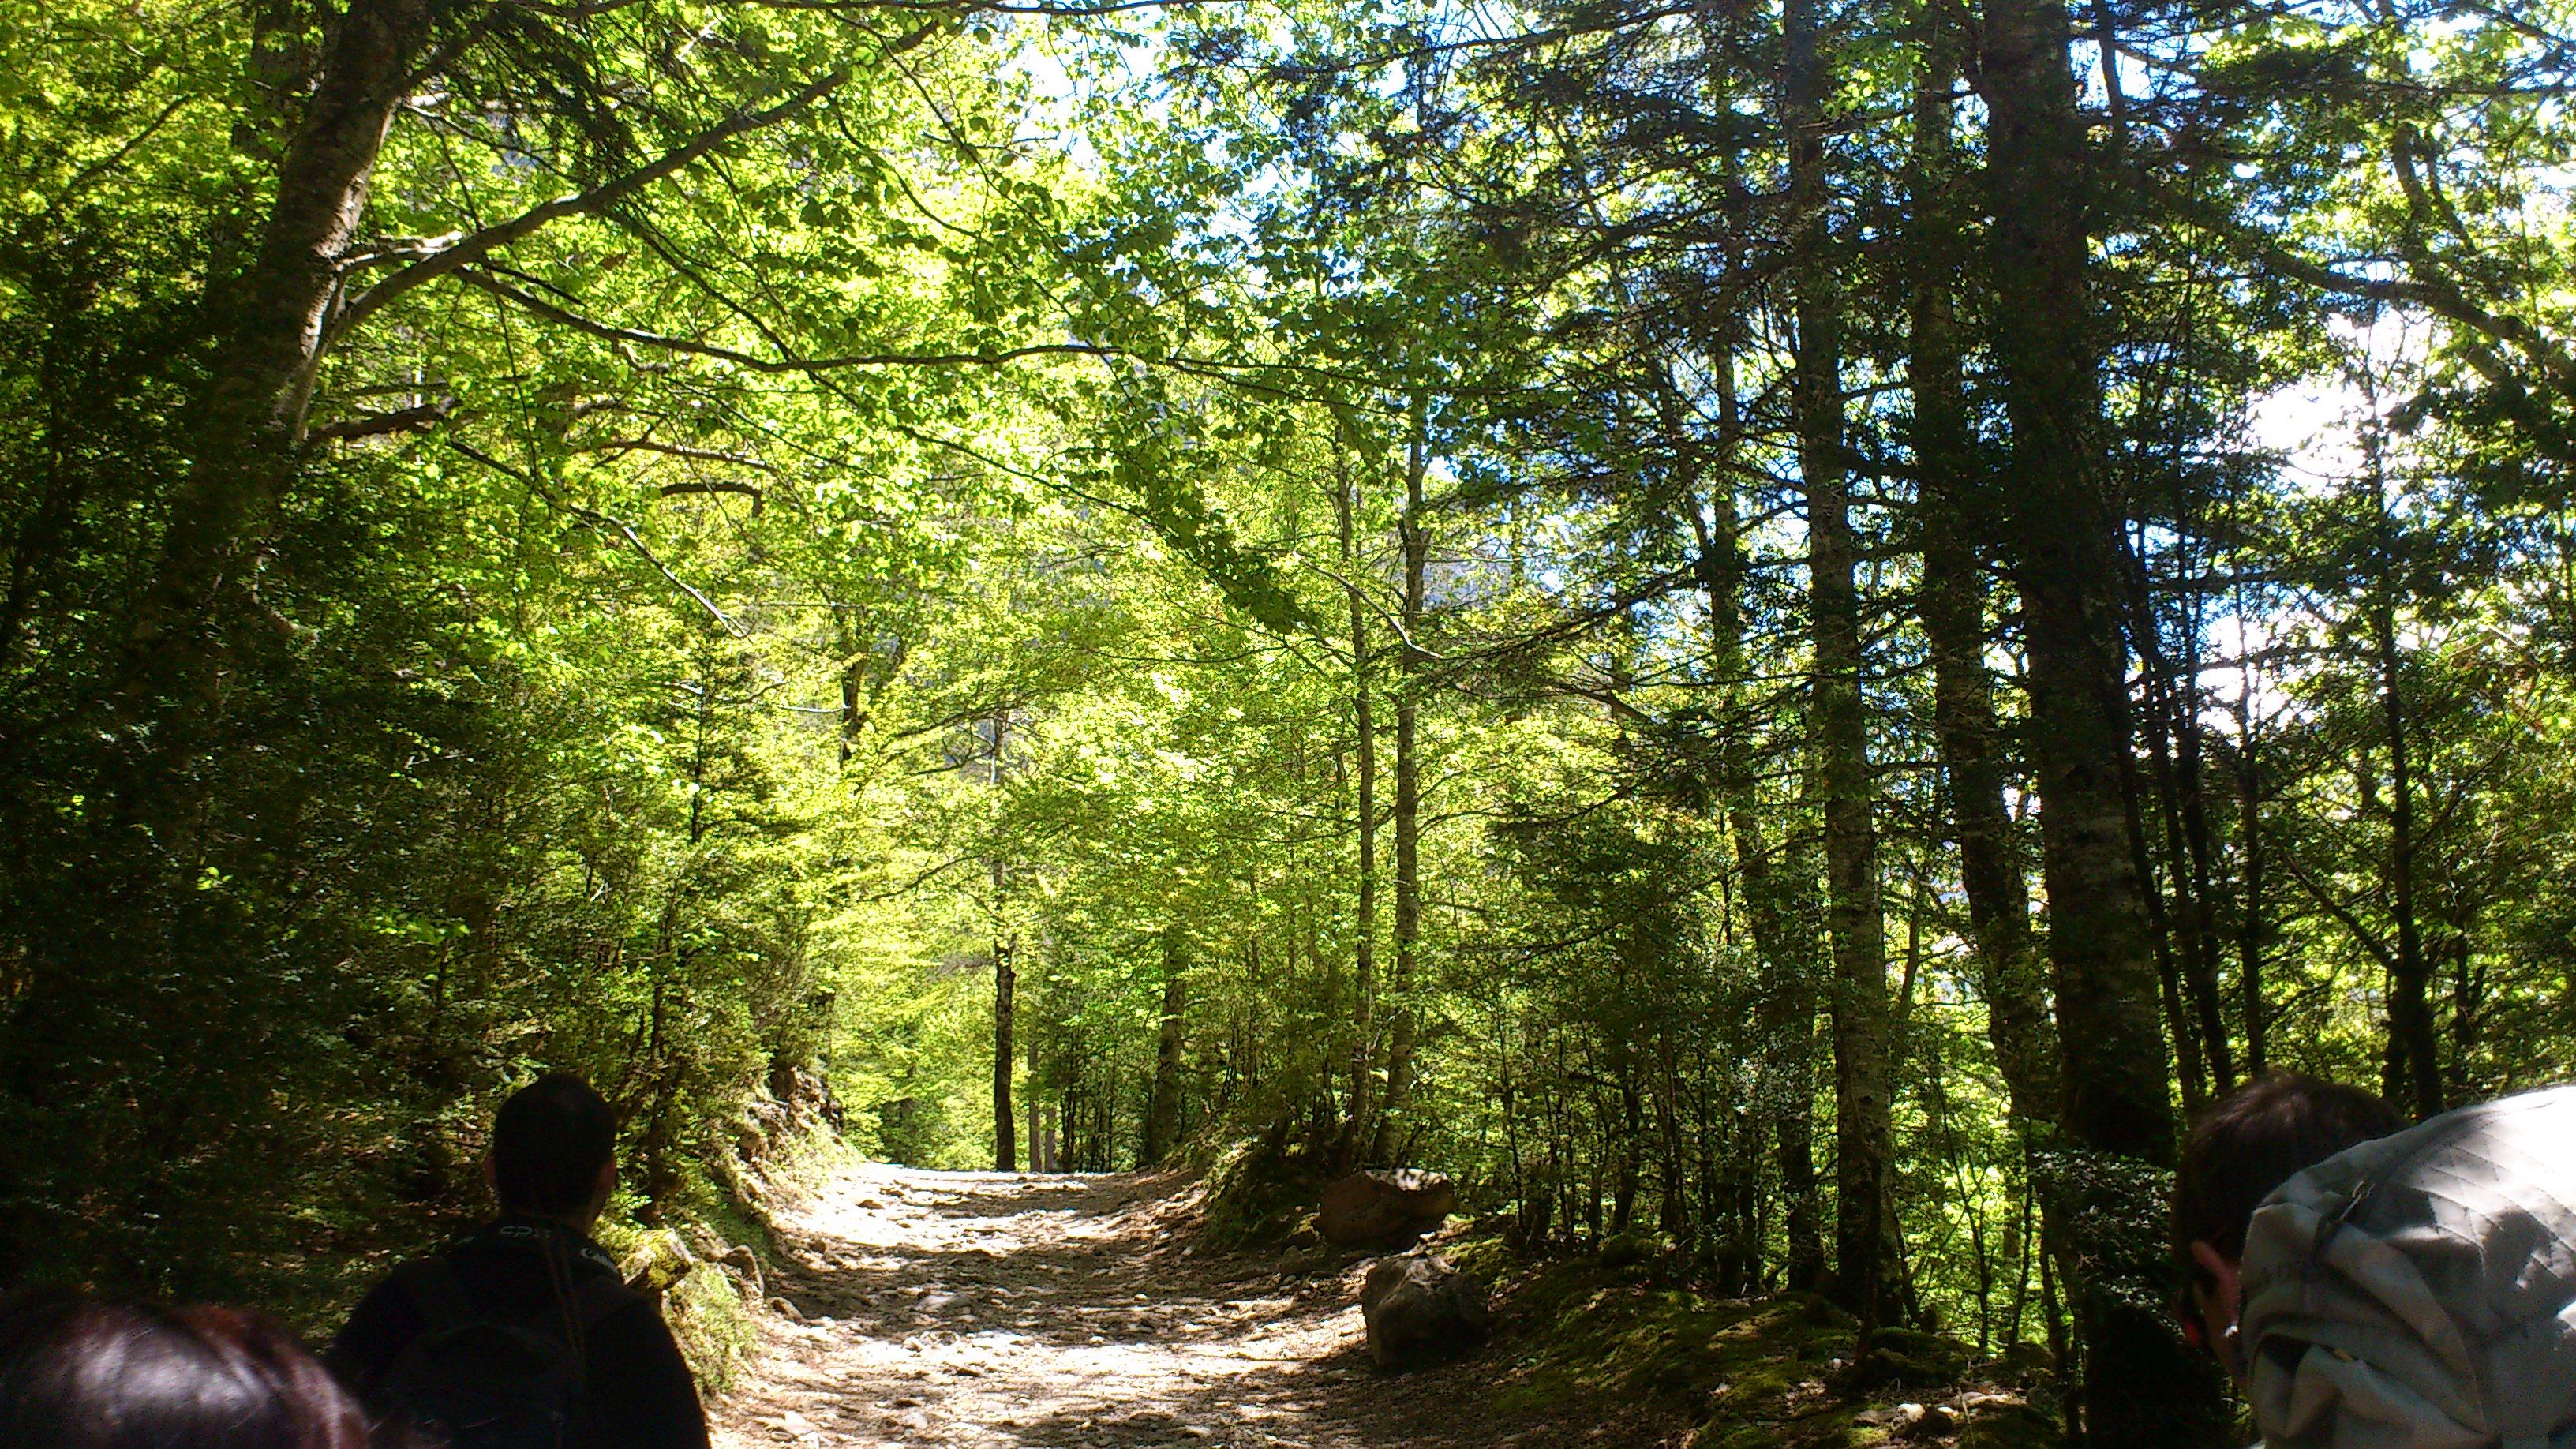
(788, 363)
(676, 450)
(758, 498)
(2340, 912)
(376, 425)
(470, 249)
(605, 523)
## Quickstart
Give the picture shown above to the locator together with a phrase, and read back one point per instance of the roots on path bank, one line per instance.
(1000, 1311)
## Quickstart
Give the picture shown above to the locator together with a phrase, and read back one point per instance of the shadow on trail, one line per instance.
(946, 1310)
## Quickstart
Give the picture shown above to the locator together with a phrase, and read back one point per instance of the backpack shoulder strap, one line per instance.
(433, 1288)
(595, 1298)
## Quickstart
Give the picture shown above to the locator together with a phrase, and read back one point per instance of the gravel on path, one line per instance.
(980, 1310)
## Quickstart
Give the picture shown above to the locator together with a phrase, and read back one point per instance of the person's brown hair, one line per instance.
(2254, 1139)
(79, 1372)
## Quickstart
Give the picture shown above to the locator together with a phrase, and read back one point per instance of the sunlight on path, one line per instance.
(992, 1310)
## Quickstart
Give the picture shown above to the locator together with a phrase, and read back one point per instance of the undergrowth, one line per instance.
(1770, 1371)
(1260, 1194)
(713, 1306)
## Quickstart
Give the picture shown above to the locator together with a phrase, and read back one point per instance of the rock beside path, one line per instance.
(1421, 1310)
(1384, 1207)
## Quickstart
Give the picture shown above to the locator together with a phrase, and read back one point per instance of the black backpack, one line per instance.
(473, 1381)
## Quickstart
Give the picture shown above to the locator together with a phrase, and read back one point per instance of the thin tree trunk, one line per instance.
(2173, 747)
(853, 683)
(1781, 908)
(1005, 982)
(2142, 1386)
(1673, 1177)
(2249, 931)
(1401, 1025)
(1037, 1118)
(2411, 1039)
(1855, 919)
(2410, 1012)
(1163, 1116)
(1357, 1127)
(2179, 1028)
(2208, 998)
(1854, 916)
(2183, 694)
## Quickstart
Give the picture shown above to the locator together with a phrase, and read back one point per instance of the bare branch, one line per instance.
(758, 498)
(376, 425)
(676, 450)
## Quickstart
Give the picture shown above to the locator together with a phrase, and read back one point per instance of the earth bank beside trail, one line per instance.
(943, 1310)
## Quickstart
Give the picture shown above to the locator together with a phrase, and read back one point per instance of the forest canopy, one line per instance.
(1793, 628)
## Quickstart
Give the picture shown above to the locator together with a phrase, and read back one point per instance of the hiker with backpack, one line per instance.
(2376, 1288)
(522, 1336)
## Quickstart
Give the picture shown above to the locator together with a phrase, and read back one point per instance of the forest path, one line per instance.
(948, 1310)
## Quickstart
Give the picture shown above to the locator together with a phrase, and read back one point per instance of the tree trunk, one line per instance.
(2173, 747)
(1784, 916)
(853, 683)
(1416, 541)
(2141, 1385)
(2192, 806)
(1356, 1127)
(2410, 1012)
(2010, 974)
(270, 319)
(1005, 977)
(1855, 921)
(1005, 980)
(2249, 930)
(2200, 964)
(2411, 1038)
(1163, 1117)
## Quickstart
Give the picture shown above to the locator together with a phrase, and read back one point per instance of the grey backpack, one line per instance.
(2419, 1291)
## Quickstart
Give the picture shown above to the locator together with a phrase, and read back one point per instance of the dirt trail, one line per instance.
(991, 1311)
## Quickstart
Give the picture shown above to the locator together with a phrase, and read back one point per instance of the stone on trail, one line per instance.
(1384, 1207)
(1421, 1310)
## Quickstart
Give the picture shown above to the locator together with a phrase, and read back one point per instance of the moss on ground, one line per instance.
(714, 1308)
(1259, 1194)
(1770, 1371)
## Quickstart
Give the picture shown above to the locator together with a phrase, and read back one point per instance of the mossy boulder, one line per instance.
(1630, 1250)
(1905, 1358)
(2010, 1426)
(1485, 1258)
(657, 1262)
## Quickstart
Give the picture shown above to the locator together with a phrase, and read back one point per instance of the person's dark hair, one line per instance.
(2254, 1139)
(94, 1373)
(548, 1144)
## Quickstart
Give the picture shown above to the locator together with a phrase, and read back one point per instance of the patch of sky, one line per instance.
(2313, 426)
